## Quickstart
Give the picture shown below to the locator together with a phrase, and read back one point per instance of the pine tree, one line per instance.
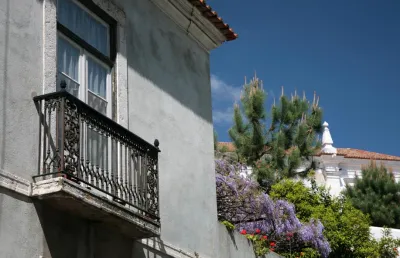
(378, 195)
(275, 148)
(215, 140)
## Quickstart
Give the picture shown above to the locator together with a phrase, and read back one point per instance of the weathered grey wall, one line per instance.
(170, 99)
(20, 229)
(21, 23)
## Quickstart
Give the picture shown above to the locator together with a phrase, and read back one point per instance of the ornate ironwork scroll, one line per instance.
(115, 162)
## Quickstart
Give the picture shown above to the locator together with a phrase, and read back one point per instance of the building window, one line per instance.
(84, 53)
(85, 59)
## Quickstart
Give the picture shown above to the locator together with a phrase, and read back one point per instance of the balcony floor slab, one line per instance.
(69, 196)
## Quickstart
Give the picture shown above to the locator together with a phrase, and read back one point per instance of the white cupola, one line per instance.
(327, 142)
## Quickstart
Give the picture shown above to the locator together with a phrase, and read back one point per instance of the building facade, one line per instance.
(340, 166)
(106, 135)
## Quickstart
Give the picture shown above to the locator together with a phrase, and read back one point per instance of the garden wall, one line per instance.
(377, 232)
(234, 245)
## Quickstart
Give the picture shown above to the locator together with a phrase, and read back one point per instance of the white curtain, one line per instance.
(97, 86)
(97, 78)
(83, 24)
(68, 66)
(88, 28)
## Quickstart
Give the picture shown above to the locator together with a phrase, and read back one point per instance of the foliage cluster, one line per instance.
(275, 149)
(377, 194)
(242, 202)
(346, 228)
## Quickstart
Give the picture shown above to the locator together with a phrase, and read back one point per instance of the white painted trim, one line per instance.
(121, 73)
(15, 183)
(190, 19)
(121, 66)
(49, 46)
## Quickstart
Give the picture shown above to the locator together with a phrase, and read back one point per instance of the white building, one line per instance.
(338, 166)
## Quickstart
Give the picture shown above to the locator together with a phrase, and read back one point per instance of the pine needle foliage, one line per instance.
(277, 144)
(378, 194)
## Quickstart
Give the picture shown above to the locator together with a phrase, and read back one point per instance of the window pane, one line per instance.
(97, 103)
(67, 59)
(83, 24)
(72, 86)
(97, 78)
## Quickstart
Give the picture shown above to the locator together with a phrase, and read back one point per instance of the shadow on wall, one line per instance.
(161, 52)
(144, 251)
(68, 236)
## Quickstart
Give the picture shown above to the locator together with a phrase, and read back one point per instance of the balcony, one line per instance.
(93, 167)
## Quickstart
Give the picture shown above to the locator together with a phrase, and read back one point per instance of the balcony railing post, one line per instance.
(40, 106)
(63, 85)
(45, 135)
(79, 146)
(157, 144)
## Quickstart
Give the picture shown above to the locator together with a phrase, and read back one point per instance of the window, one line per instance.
(83, 54)
(85, 60)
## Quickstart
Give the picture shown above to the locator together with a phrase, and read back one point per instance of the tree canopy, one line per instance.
(378, 194)
(278, 147)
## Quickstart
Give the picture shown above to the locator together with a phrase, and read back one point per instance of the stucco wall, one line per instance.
(21, 73)
(169, 97)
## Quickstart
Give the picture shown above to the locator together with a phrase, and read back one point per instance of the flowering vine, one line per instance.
(271, 225)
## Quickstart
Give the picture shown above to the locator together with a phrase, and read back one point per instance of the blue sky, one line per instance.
(347, 51)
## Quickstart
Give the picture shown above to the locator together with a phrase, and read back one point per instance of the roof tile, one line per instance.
(345, 152)
(213, 17)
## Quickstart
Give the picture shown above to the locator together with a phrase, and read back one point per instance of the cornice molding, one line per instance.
(15, 183)
(190, 20)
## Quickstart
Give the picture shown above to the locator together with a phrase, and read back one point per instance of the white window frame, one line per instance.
(97, 18)
(120, 67)
(83, 75)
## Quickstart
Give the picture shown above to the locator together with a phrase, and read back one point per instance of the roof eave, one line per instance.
(187, 17)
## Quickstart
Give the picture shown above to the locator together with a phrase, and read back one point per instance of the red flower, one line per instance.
(288, 238)
(258, 231)
(289, 234)
(272, 244)
(243, 232)
(265, 237)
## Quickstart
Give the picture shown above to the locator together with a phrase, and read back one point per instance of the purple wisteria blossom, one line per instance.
(241, 201)
(312, 234)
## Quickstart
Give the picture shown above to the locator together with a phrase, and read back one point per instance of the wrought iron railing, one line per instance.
(81, 144)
